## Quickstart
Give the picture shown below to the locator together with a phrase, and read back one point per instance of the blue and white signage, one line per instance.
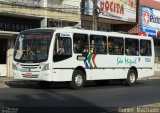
(150, 17)
(150, 32)
(150, 21)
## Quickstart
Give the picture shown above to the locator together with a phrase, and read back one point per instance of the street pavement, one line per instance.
(23, 96)
(99, 100)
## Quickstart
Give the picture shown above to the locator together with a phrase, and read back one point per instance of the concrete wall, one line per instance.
(36, 12)
(10, 57)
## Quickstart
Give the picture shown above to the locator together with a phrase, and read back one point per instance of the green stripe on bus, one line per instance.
(89, 60)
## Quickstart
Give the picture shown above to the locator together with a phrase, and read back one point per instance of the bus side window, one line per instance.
(62, 49)
(80, 43)
(131, 46)
(145, 47)
(115, 45)
(98, 44)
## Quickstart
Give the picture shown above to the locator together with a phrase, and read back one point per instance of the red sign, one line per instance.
(142, 33)
(108, 6)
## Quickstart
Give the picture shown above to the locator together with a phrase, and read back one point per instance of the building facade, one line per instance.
(148, 23)
(131, 16)
(18, 15)
(140, 17)
(113, 15)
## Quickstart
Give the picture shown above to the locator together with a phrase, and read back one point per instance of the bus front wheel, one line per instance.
(78, 80)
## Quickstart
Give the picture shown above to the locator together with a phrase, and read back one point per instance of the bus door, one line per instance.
(62, 56)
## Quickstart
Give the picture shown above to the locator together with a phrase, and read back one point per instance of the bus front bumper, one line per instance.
(35, 76)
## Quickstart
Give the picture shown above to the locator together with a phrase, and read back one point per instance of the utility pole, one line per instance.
(82, 13)
(95, 15)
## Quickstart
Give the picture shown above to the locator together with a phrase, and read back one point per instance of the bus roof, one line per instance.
(78, 30)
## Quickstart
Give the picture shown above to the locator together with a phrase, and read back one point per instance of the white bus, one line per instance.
(76, 55)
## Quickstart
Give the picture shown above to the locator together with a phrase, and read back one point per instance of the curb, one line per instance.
(150, 78)
(3, 85)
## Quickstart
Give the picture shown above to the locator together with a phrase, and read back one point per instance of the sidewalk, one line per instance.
(3, 80)
(156, 76)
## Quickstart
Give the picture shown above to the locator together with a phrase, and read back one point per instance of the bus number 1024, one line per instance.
(147, 59)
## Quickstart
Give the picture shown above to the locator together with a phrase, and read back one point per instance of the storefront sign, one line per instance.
(8, 26)
(151, 32)
(124, 10)
(150, 21)
(150, 17)
(110, 6)
(17, 24)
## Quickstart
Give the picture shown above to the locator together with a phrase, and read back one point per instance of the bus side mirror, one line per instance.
(81, 58)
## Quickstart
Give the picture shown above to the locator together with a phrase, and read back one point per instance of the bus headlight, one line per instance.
(14, 67)
(46, 67)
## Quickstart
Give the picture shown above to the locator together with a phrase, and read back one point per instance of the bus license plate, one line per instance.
(28, 74)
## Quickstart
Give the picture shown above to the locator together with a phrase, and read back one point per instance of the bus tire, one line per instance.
(131, 77)
(78, 80)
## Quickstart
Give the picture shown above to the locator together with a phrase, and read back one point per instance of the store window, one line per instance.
(98, 44)
(115, 45)
(131, 47)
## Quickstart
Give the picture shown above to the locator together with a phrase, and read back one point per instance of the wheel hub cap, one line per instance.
(78, 80)
(132, 78)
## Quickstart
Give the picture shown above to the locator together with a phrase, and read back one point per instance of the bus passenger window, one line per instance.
(131, 47)
(62, 49)
(80, 43)
(98, 44)
(145, 47)
(115, 45)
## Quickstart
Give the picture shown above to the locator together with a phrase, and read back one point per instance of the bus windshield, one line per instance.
(32, 47)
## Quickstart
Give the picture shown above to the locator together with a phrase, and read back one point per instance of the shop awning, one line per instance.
(8, 34)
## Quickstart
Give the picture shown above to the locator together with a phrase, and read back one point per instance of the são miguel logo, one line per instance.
(90, 60)
(150, 18)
